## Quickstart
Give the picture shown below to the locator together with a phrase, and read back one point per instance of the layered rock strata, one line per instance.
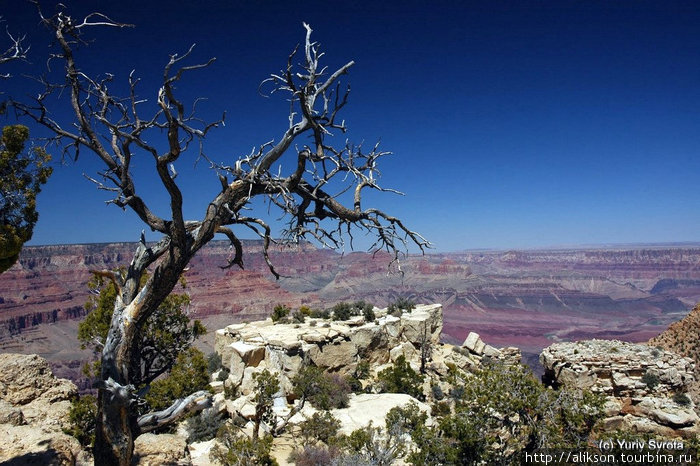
(645, 387)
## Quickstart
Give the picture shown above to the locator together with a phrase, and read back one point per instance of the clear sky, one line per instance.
(513, 124)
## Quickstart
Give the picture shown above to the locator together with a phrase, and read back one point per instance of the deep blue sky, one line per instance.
(513, 124)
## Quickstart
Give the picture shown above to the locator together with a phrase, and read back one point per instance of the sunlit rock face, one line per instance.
(335, 346)
(34, 408)
(645, 386)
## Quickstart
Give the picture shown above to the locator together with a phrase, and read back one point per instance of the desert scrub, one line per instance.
(324, 391)
(342, 311)
(298, 317)
(651, 380)
(188, 375)
(400, 305)
(502, 397)
(681, 399)
(203, 426)
(400, 378)
(81, 418)
(321, 427)
(315, 455)
(236, 449)
(279, 312)
(320, 314)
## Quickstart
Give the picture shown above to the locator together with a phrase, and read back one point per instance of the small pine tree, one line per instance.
(400, 378)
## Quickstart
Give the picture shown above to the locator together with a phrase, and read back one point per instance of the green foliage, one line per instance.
(167, 332)
(502, 398)
(298, 317)
(22, 175)
(432, 449)
(437, 392)
(81, 417)
(651, 380)
(188, 375)
(214, 362)
(342, 311)
(320, 314)
(371, 446)
(320, 427)
(362, 370)
(223, 374)
(400, 378)
(681, 399)
(279, 312)
(203, 426)
(266, 385)
(400, 305)
(305, 310)
(324, 391)
(235, 449)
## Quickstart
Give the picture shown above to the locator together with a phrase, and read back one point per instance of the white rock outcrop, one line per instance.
(645, 386)
(336, 346)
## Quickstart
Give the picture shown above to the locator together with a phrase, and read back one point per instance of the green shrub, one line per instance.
(305, 310)
(681, 399)
(400, 378)
(188, 375)
(324, 391)
(320, 427)
(235, 449)
(362, 370)
(298, 317)
(441, 408)
(651, 380)
(321, 314)
(437, 392)
(501, 397)
(279, 312)
(203, 426)
(400, 305)
(342, 311)
(370, 446)
(214, 362)
(82, 418)
(223, 374)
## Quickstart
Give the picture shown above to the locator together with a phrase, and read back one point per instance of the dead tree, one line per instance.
(115, 131)
(15, 51)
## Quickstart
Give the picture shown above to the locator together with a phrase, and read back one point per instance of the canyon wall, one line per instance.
(528, 299)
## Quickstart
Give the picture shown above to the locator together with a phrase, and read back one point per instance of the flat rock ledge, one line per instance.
(645, 386)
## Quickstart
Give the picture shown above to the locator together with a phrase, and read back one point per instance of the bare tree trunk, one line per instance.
(117, 423)
(114, 438)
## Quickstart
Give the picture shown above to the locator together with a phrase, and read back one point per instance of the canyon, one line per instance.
(528, 299)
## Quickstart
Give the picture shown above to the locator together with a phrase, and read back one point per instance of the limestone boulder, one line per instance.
(160, 450)
(27, 377)
(474, 344)
(423, 324)
(334, 356)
